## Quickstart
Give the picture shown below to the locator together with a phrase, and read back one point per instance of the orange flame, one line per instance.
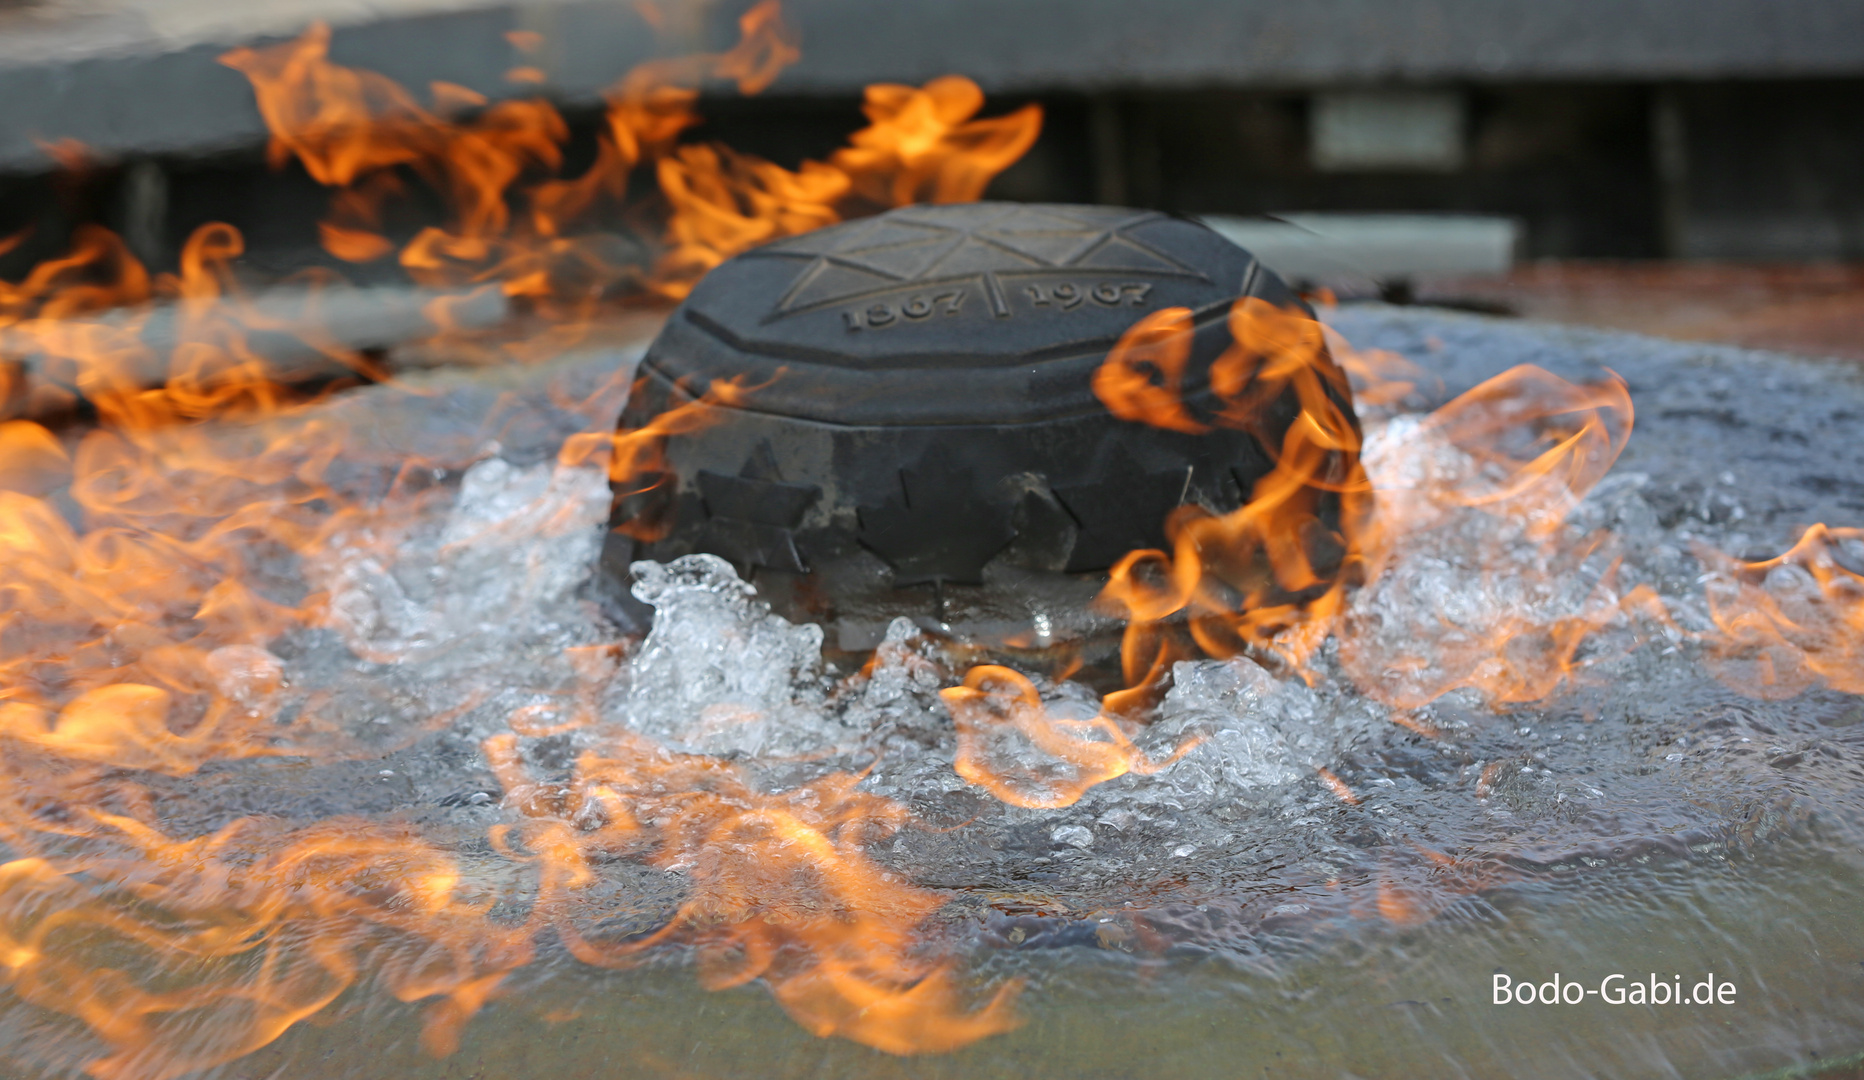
(357, 131)
(1001, 719)
(187, 954)
(1142, 379)
(352, 129)
(1338, 786)
(137, 644)
(637, 457)
(1272, 578)
(134, 618)
(780, 889)
(922, 145)
(1522, 450)
(1539, 443)
(134, 624)
(1271, 574)
(1794, 622)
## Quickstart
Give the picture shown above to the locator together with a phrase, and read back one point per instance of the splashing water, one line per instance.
(295, 714)
(719, 788)
(719, 675)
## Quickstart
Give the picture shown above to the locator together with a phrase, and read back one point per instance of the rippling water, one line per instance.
(1229, 914)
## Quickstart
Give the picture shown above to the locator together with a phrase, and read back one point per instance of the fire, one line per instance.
(1308, 553)
(141, 589)
(182, 955)
(362, 134)
(1510, 458)
(922, 145)
(1277, 577)
(1536, 443)
(1794, 622)
(780, 889)
(1271, 575)
(353, 130)
(1010, 745)
(637, 461)
(140, 594)
(1142, 379)
(133, 641)
(1339, 787)
(1507, 461)
(141, 626)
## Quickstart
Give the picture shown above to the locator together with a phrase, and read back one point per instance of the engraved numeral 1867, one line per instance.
(913, 309)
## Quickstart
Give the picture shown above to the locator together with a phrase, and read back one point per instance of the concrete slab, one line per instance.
(1813, 309)
(1022, 44)
(141, 76)
(1375, 249)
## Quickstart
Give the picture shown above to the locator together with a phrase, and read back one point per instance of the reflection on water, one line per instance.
(468, 829)
(318, 755)
(1355, 997)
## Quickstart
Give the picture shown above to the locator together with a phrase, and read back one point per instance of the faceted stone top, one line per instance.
(869, 319)
(992, 248)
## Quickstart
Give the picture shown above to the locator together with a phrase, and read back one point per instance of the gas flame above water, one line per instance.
(139, 600)
(1308, 557)
(361, 134)
(139, 588)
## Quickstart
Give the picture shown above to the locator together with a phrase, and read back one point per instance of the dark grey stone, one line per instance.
(918, 408)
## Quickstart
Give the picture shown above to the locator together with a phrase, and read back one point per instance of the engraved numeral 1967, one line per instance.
(1068, 295)
(913, 309)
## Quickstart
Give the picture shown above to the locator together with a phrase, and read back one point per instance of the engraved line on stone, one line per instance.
(998, 302)
(1108, 238)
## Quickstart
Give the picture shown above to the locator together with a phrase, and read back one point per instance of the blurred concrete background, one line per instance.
(1690, 167)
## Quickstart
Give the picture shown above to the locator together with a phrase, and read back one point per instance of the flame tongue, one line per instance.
(1271, 574)
(363, 135)
(780, 889)
(1488, 481)
(189, 954)
(1791, 623)
(147, 567)
(140, 568)
(1504, 463)
(1012, 746)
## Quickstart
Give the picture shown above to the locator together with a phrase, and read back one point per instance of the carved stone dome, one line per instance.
(914, 416)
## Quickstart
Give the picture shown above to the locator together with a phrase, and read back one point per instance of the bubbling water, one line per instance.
(484, 764)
